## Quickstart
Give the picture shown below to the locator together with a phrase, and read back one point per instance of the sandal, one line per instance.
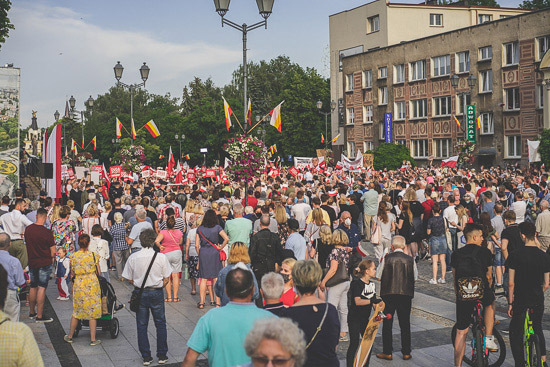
(176, 299)
(212, 303)
(200, 306)
(218, 305)
(168, 300)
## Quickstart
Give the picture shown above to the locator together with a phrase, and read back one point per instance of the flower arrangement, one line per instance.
(465, 151)
(132, 158)
(248, 155)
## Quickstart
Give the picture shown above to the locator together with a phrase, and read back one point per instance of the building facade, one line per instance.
(412, 80)
(379, 24)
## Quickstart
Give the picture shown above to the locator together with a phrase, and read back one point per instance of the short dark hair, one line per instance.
(509, 215)
(97, 230)
(472, 227)
(210, 219)
(3, 286)
(436, 208)
(147, 238)
(41, 212)
(528, 229)
(5, 241)
(170, 222)
(6, 200)
(83, 241)
(170, 211)
(316, 201)
(239, 283)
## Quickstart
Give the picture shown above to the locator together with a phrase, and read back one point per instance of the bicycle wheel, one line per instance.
(535, 359)
(496, 359)
(479, 346)
(470, 357)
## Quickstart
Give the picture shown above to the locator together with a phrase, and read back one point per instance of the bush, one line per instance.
(391, 156)
(544, 147)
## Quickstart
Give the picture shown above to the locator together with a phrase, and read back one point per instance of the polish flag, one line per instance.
(450, 162)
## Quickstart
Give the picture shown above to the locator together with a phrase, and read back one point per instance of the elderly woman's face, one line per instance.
(271, 353)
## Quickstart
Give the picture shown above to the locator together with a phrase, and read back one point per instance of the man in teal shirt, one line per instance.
(238, 229)
(222, 330)
(370, 208)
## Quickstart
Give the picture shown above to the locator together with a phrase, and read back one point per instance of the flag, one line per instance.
(335, 138)
(273, 149)
(450, 162)
(171, 162)
(83, 142)
(73, 145)
(457, 122)
(249, 112)
(105, 176)
(227, 110)
(276, 117)
(118, 128)
(186, 156)
(478, 120)
(152, 128)
(66, 153)
(94, 142)
(133, 130)
(53, 155)
(322, 139)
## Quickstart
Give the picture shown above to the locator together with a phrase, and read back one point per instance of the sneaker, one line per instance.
(43, 319)
(32, 316)
(163, 359)
(433, 281)
(344, 338)
(147, 361)
(490, 343)
(499, 290)
(67, 339)
(95, 342)
(63, 298)
(58, 298)
(441, 281)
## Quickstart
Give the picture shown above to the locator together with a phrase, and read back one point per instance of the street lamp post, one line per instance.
(472, 80)
(327, 114)
(89, 104)
(180, 139)
(144, 72)
(56, 117)
(265, 8)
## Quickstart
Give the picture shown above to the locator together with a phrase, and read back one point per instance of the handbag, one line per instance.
(135, 297)
(223, 255)
(375, 236)
(340, 276)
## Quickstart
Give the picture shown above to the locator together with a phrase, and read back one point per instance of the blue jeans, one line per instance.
(152, 299)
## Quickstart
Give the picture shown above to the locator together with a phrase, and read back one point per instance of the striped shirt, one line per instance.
(180, 224)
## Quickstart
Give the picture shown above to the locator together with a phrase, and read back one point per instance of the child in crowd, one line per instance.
(100, 248)
(62, 272)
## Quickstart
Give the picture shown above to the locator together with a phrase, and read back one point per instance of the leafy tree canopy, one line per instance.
(391, 156)
(5, 24)
(535, 4)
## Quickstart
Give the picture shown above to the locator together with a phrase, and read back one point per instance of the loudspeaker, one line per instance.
(46, 170)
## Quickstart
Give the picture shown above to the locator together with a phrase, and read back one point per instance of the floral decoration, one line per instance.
(132, 158)
(248, 155)
(465, 151)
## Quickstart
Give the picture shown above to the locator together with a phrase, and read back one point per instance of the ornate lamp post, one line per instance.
(180, 139)
(89, 104)
(327, 114)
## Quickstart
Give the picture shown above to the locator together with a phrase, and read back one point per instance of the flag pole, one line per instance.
(253, 127)
(241, 126)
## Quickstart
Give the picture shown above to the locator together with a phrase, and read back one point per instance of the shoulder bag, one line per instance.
(318, 327)
(375, 236)
(223, 255)
(340, 276)
(135, 297)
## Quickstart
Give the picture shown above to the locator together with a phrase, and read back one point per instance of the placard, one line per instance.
(293, 171)
(368, 160)
(161, 173)
(81, 172)
(94, 177)
(115, 171)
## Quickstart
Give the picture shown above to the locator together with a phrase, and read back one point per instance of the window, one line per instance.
(399, 110)
(381, 131)
(460, 102)
(373, 24)
(349, 82)
(419, 108)
(399, 74)
(367, 114)
(543, 44)
(442, 106)
(401, 142)
(504, 16)
(383, 96)
(511, 96)
(442, 148)
(436, 20)
(540, 96)
(368, 145)
(350, 116)
(441, 65)
(513, 146)
(487, 123)
(511, 53)
(485, 53)
(383, 72)
(485, 81)
(367, 79)
(484, 18)
(420, 148)
(463, 60)
(418, 70)
(351, 148)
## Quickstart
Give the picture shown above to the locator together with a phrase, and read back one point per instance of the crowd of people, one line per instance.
(286, 264)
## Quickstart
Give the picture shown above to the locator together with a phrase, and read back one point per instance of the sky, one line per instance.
(68, 47)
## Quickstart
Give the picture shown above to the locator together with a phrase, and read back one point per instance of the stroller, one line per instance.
(107, 322)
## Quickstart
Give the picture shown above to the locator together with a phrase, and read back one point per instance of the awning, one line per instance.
(487, 151)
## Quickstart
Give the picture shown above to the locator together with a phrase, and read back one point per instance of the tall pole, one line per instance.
(82, 124)
(464, 120)
(245, 81)
(326, 132)
(132, 109)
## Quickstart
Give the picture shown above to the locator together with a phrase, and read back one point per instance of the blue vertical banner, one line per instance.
(388, 127)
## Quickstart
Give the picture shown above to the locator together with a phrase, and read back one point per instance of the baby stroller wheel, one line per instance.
(78, 328)
(114, 328)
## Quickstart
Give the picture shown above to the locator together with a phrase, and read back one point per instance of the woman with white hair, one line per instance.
(279, 341)
(121, 249)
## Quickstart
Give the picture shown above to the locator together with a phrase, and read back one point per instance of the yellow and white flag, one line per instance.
(276, 117)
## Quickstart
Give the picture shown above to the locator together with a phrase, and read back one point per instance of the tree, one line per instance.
(544, 147)
(535, 4)
(391, 156)
(491, 3)
(5, 24)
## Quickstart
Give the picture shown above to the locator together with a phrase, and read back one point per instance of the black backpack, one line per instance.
(470, 278)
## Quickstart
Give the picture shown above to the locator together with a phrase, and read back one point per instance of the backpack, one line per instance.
(470, 283)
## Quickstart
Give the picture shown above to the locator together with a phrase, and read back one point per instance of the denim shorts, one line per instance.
(40, 276)
(499, 258)
(438, 245)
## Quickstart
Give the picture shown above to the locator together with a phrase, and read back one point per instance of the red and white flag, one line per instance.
(450, 162)
(171, 163)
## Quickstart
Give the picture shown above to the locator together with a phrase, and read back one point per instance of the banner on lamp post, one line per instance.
(471, 123)
(388, 127)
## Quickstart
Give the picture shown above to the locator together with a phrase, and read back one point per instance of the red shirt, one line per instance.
(289, 298)
(39, 240)
(252, 201)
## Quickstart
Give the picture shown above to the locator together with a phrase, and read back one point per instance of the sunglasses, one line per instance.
(259, 361)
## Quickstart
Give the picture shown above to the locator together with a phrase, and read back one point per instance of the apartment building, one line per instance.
(496, 68)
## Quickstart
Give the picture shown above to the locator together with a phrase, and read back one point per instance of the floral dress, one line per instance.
(339, 254)
(64, 232)
(86, 291)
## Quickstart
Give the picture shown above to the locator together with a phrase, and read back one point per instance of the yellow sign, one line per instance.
(7, 168)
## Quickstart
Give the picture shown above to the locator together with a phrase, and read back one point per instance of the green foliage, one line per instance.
(544, 147)
(391, 156)
(8, 134)
(5, 24)
(491, 3)
(535, 4)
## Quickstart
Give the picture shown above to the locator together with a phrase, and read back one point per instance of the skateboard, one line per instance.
(370, 333)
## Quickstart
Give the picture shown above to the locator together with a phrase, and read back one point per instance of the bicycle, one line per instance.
(531, 343)
(476, 353)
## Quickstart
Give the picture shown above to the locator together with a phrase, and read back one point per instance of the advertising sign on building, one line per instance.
(471, 123)
(9, 130)
(388, 128)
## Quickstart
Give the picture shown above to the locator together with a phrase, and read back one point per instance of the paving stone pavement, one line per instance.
(431, 322)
